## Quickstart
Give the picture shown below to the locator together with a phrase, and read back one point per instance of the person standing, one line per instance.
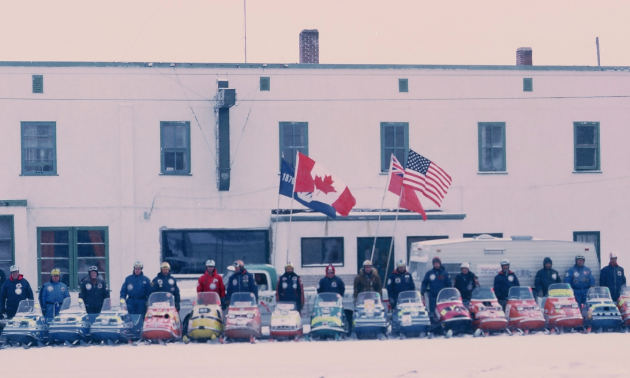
(545, 277)
(211, 281)
(93, 291)
(367, 280)
(435, 280)
(503, 282)
(465, 282)
(52, 294)
(289, 288)
(398, 281)
(241, 282)
(613, 277)
(164, 282)
(331, 283)
(14, 290)
(135, 290)
(580, 278)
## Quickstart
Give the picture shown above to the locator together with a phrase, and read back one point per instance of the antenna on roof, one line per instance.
(597, 44)
(245, 26)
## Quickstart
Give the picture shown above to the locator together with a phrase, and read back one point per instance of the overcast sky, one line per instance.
(560, 32)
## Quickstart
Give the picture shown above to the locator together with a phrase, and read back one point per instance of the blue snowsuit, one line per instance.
(613, 277)
(135, 290)
(397, 283)
(242, 282)
(502, 284)
(51, 297)
(290, 289)
(581, 279)
(12, 292)
(93, 294)
(434, 281)
(166, 284)
(331, 285)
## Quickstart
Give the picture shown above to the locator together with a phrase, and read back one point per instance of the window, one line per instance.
(586, 142)
(492, 147)
(589, 237)
(494, 234)
(322, 251)
(38, 84)
(293, 139)
(175, 142)
(528, 84)
(7, 246)
(415, 239)
(39, 149)
(265, 83)
(403, 85)
(394, 140)
(188, 250)
(72, 250)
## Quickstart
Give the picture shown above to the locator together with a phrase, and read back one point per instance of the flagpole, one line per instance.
(391, 244)
(389, 175)
(295, 175)
(275, 237)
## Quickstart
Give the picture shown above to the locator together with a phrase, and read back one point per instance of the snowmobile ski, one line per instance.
(449, 334)
(477, 333)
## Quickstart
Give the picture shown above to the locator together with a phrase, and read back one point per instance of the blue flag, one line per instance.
(287, 179)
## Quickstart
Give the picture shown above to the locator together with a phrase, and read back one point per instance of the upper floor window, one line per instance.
(38, 83)
(293, 139)
(175, 148)
(492, 147)
(39, 148)
(265, 83)
(586, 145)
(528, 84)
(394, 140)
(322, 251)
(403, 85)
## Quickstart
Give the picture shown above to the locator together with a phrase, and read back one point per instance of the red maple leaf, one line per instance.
(324, 185)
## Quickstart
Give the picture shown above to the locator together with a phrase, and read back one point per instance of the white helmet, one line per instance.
(14, 268)
(210, 263)
(465, 265)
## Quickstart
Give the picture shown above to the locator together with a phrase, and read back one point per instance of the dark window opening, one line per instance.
(322, 251)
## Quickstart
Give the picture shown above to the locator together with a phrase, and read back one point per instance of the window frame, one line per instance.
(480, 126)
(597, 245)
(23, 125)
(403, 85)
(281, 126)
(597, 166)
(12, 222)
(385, 159)
(265, 83)
(73, 260)
(343, 253)
(163, 150)
(34, 79)
(528, 84)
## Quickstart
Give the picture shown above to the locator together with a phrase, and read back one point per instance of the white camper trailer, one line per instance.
(485, 252)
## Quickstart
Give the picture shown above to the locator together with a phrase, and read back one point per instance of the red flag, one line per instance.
(408, 198)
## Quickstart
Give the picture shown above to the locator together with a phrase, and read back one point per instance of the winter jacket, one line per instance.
(3, 277)
(166, 284)
(135, 290)
(12, 292)
(242, 282)
(546, 277)
(51, 297)
(290, 289)
(502, 284)
(211, 282)
(579, 278)
(367, 282)
(397, 283)
(466, 283)
(434, 281)
(331, 285)
(613, 277)
(93, 294)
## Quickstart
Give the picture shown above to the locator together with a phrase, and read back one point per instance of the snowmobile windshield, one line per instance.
(161, 300)
(328, 300)
(208, 298)
(598, 293)
(409, 297)
(111, 304)
(560, 290)
(242, 300)
(72, 307)
(448, 295)
(520, 292)
(285, 306)
(483, 293)
(29, 307)
(369, 297)
(625, 291)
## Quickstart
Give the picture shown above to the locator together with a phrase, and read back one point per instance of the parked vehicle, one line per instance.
(328, 318)
(205, 322)
(410, 317)
(72, 323)
(522, 311)
(161, 323)
(623, 304)
(28, 326)
(453, 317)
(286, 321)
(486, 312)
(561, 308)
(370, 316)
(115, 324)
(602, 313)
(243, 318)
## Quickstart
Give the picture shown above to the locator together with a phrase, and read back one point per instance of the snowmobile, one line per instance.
(328, 318)
(486, 312)
(522, 311)
(115, 324)
(28, 326)
(410, 317)
(71, 324)
(286, 321)
(370, 317)
(452, 316)
(161, 323)
(623, 304)
(602, 312)
(205, 322)
(561, 309)
(243, 318)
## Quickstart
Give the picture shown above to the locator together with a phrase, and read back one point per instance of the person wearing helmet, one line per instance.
(367, 280)
(93, 291)
(398, 281)
(503, 282)
(580, 278)
(14, 290)
(211, 281)
(435, 280)
(164, 282)
(331, 283)
(613, 277)
(52, 294)
(465, 282)
(545, 277)
(241, 282)
(289, 287)
(135, 290)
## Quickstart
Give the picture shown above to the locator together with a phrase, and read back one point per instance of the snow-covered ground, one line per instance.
(568, 355)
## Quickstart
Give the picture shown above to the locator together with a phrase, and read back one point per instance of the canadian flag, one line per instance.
(325, 192)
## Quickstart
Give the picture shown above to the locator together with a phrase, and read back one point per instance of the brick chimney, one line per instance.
(309, 46)
(524, 56)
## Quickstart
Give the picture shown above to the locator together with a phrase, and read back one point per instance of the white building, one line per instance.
(110, 163)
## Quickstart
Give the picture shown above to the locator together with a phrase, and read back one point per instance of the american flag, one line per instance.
(426, 177)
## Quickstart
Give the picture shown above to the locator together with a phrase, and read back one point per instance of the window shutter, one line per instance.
(38, 84)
